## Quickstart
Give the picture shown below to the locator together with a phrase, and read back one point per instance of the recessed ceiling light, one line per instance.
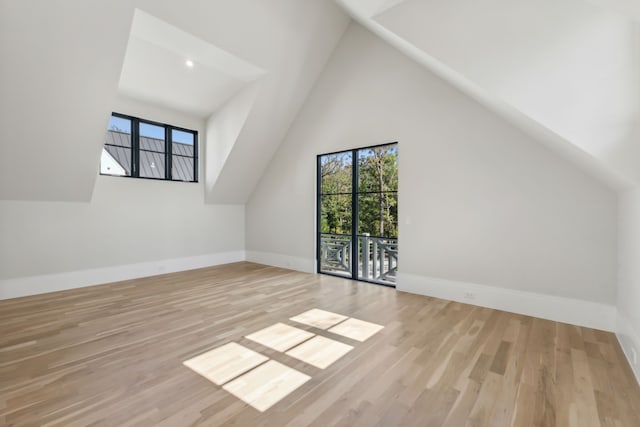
(189, 63)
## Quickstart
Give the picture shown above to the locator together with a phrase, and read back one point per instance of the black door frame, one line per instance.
(354, 212)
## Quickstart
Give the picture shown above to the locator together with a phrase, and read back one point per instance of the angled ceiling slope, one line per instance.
(155, 69)
(296, 39)
(58, 79)
(565, 71)
(61, 75)
(254, 64)
(215, 85)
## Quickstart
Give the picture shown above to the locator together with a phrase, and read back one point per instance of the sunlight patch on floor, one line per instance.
(319, 351)
(225, 363)
(319, 318)
(266, 385)
(262, 382)
(355, 329)
(280, 337)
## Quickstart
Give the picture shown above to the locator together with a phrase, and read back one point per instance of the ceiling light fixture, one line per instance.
(189, 63)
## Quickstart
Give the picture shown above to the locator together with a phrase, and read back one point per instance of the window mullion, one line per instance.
(195, 157)
(135, 148)
(168, 148)
(355, 207)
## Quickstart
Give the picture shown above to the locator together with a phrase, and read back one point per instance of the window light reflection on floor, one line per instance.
(280, 337)
(319, 351)
(319, 318)
(262, 382)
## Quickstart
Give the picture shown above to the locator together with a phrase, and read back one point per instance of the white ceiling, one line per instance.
(564, 70)
(155, 70)
(61, 68)
(567, 79)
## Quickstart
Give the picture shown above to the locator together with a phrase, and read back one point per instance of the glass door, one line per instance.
(358, 214)
(335, 213)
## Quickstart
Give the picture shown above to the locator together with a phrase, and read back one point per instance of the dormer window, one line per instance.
(141, 148)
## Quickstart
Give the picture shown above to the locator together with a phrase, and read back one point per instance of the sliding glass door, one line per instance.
(357, 218)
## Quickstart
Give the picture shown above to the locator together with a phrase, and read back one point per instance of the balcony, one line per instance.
(377, 259)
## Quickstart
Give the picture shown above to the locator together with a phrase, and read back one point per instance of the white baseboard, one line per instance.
(575, 311)
(32, 285)
(630, 342)
(283, 261)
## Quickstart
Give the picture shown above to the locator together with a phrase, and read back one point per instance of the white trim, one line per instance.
(33, 285)
(629, 341)
(305, 265)
(561, 309)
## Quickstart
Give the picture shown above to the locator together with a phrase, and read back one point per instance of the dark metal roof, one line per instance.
(118, 145)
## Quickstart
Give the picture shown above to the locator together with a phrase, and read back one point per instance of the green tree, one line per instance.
(377, 198)
(378, 185)
(336, 187)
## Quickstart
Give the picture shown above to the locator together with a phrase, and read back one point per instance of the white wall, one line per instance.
(549, 59)
(629, 277)
(223, 128)
(630, 8)
(480, 202)
(60, 66)
(127, 222)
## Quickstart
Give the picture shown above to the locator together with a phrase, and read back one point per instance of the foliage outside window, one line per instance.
(377, 191)
(141, 148)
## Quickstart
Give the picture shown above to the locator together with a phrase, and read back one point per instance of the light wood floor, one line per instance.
(112, 355)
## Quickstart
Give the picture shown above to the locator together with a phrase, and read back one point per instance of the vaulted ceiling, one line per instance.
(64, 63)
(566, 71)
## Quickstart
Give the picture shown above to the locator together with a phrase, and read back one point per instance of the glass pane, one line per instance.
(336, 254)
(378, 214)
(116, 153)
(378, 168)
(182, 137)
(378, 259)
(182, 143)
(118, 125)
(152, 164)
(335, 173)
(151, 138)
(115, 161)
(182, 168)
(151, 131)
(335, 214)
(152, 144)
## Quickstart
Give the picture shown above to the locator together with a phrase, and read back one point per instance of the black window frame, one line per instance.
(168, 148)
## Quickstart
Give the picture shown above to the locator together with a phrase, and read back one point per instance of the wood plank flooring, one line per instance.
(113, 355)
